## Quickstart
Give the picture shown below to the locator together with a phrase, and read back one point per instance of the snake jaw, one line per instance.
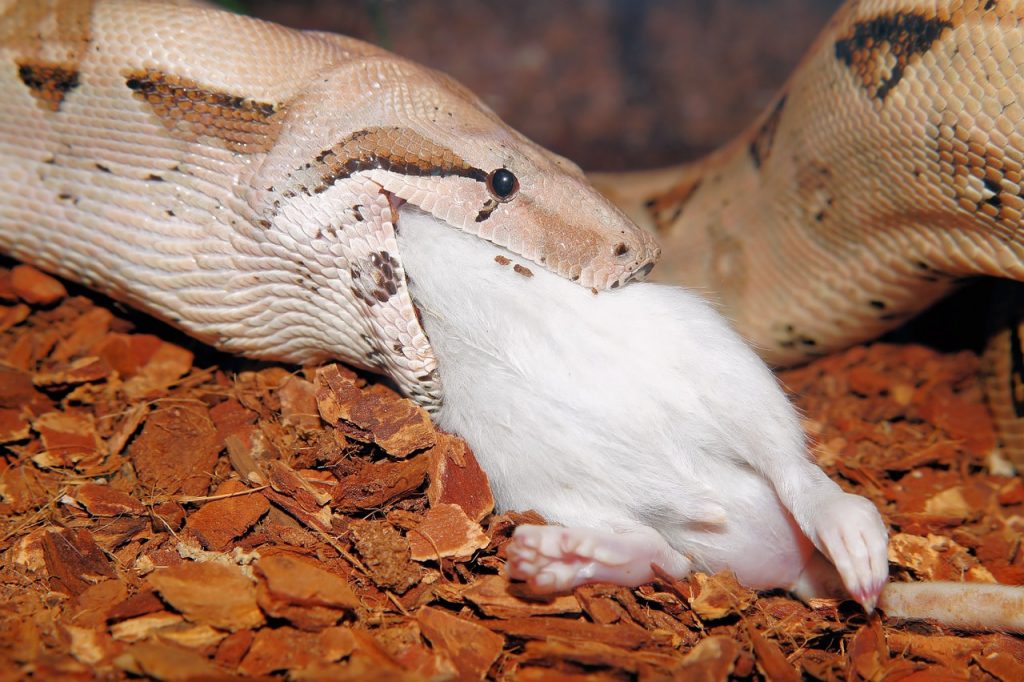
(395, 202)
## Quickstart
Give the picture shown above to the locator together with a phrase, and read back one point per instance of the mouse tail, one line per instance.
(966, 606)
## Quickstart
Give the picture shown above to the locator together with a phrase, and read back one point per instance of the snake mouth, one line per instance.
(396, 202)
(624, 275)
(641, 273)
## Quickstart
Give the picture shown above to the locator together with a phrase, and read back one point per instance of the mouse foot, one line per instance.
(556, 559)
(851, 534)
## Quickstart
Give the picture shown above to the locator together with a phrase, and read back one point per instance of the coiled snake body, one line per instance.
(889, 168)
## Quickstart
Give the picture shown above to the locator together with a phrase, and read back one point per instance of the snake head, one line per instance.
(532, 202)
(426, 140)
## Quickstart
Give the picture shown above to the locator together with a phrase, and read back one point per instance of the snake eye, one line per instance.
(503, 184)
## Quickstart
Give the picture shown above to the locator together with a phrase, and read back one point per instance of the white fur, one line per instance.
(629, 409)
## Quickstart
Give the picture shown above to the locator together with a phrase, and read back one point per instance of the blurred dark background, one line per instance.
(611, 84)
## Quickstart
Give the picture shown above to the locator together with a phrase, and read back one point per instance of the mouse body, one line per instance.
(637, 420)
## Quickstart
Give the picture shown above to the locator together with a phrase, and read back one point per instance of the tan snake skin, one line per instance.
(241, 180)
(889, 168)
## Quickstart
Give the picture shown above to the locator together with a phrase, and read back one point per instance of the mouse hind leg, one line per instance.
(557, 559)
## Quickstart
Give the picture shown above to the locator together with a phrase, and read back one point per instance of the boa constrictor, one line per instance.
(888, 169)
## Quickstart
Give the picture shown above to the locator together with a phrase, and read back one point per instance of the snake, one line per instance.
(242, 181)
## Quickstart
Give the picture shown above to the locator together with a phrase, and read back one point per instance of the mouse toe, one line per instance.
(552, 558)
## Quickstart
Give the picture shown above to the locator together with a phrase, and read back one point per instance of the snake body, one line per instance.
(889, 168)
(241, 180)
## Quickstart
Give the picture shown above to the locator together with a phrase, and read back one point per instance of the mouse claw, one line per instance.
(851, 534)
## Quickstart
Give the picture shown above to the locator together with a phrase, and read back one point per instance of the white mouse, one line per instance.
(638, 421)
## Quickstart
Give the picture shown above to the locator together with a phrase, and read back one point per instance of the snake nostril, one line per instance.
(620, 249)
